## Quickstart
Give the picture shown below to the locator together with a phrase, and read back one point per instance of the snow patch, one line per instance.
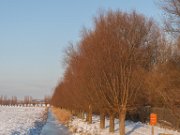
(80, 127)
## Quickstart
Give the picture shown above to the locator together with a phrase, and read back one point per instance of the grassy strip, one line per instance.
(62, 115)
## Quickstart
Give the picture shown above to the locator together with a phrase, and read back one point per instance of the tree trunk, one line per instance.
(75, 112)
(111, 123)
(102, 120)
(70, 110)
(79, 114)
(82, 114)
(87, 116)
(122, 117)
(90, 114)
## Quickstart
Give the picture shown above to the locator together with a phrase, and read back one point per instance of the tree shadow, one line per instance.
(133, 129)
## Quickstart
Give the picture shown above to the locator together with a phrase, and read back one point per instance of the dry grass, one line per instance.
(62, 115)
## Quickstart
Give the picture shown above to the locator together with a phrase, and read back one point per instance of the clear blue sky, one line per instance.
(34, 34)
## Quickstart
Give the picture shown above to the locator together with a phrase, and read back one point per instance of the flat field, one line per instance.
(16, 120)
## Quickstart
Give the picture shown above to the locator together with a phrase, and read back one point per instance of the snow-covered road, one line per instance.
(53, 127)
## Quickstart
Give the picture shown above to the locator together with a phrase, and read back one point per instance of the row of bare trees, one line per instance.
(5, 101)
(28, 100)
(123, 63)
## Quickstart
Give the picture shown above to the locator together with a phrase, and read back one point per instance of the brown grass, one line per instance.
(62, 115)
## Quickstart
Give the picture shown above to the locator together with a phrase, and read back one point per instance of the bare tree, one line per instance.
(172, 8)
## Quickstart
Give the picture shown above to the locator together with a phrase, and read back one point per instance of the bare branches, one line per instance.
(172, 22)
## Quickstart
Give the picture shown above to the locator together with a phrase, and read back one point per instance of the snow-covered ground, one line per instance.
(30, 121)
(79, 126)
(21, 120)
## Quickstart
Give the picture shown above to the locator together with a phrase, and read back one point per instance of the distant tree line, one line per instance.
(123, 63)
(6, 101)
(27, 101)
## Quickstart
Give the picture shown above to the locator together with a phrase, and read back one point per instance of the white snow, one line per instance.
(132, 128)
(16, 120)
(53, 126)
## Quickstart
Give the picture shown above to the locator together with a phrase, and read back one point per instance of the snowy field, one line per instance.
(80, 126)
(21, 120)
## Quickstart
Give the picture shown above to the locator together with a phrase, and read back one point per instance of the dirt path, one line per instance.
(53, 127)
